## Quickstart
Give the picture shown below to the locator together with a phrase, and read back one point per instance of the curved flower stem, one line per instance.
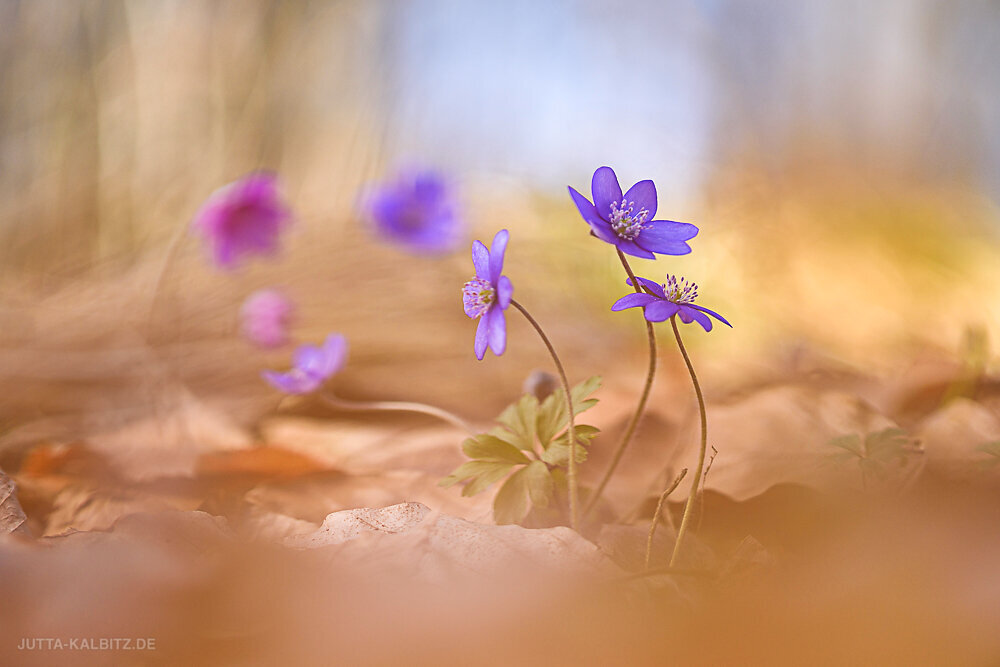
(571, 471)
(659, 510)
(685, 519)
(639, 409)
(397, 406)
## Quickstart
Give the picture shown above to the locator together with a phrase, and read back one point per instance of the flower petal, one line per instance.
(603, 231)
(497, 330)
(660, 310)
(667, 237)
(633, 300)
(496, 254)
(643, 196)
(482, 338)
(655, 287)
(713, 314)
(666, 248)
(505, 290)
(690, 314)
(292, 382)
(481, 260)
(630, 248)
(605, 188)
(334, 354)
(307, 358)
(587, 210)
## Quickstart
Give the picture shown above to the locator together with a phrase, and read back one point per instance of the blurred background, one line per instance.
(842, 160)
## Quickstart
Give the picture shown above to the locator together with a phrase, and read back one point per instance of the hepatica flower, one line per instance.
(488, 294)
(626, 221)
(312, 366)
(675, 297)
(417, 211)
(265, 317)
(243, 218)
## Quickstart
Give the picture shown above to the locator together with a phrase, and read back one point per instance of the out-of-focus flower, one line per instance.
(416, 211)
(675, 297)
(311, 366)
(243, 218)
(488, 294)
(265, 317)
(626, 221)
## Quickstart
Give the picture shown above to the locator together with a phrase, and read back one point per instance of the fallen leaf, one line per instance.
(12, 517)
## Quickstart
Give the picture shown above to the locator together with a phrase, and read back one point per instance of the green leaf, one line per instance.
(851, 443)
(483, 473)
(511, 502)
(520, 418)
(539, 483)
(501, 433)
(487, 478)
(552, 414)
(557, 453)
(887, 445)
(991, 448)
(487, 447)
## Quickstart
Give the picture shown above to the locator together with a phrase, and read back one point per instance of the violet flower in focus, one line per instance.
(416, 211)
(488, 294)
(312, 366)
(265, 317)
(626, 221)
(243, 218)
(675, 297)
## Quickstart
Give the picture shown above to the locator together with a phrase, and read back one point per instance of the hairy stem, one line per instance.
(571, 470)
(639, 409)
(685, 519)
(397, 406)
(659, 510)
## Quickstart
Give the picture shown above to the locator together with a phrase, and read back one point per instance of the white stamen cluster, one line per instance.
(625, 222)
(478, 295)
(680, 290)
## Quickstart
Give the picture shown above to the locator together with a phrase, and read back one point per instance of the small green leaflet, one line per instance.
(529, 447)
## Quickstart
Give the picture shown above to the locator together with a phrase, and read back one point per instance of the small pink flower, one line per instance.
(312, 365)
(243, 218)
(265, 317)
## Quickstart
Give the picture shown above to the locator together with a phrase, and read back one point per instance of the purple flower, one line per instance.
(627, 222)
(243, 218)
(417, 212)
(312, 366)
(488, 294)
(661, 302)
(265, 317)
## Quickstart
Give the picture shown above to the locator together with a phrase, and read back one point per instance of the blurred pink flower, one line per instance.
(265, 317)
(243, 218)
(312, 365)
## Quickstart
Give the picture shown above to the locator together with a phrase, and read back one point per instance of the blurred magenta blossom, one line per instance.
(488, 294)
(243, 218)
(662, 301)
(417, 212)
(312, 365)
(265, 317)
(626, 221)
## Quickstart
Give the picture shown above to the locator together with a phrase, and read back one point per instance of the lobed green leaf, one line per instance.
(520, 419)
(557, 453)
(486, 447)
(511, 502)
(539, 483)
(552, 414)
